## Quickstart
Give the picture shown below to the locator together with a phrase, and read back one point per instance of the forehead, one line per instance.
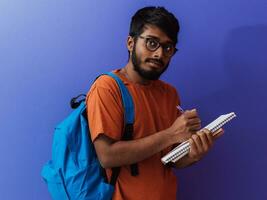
(154, 31)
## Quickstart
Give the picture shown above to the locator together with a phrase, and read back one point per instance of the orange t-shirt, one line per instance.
(155, 110)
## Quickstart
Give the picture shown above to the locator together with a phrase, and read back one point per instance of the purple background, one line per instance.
(52, 50)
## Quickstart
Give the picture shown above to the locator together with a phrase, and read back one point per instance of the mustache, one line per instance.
(159, 61)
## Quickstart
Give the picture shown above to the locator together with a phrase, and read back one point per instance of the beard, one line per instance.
(147, 74)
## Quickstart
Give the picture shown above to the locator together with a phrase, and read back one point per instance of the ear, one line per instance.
(130, 43)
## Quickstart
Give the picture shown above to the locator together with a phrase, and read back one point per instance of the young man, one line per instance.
(158, 125)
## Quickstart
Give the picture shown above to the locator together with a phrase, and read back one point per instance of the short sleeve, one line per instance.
(177, 100)
(104, 109)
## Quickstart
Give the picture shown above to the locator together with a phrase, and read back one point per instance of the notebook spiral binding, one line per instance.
(217, 127)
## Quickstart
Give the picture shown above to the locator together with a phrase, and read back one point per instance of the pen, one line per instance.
(180, 109)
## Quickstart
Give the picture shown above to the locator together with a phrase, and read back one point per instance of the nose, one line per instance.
(158, 53)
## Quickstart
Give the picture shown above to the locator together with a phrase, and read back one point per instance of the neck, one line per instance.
(133, 75)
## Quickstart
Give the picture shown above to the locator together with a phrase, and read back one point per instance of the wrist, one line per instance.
(172, 136)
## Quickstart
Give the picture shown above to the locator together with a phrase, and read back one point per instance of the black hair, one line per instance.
(157, 16)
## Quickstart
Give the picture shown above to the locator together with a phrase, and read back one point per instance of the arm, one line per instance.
(105, 117)
(117, 153)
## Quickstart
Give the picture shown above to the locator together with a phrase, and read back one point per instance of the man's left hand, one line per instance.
(201, 143)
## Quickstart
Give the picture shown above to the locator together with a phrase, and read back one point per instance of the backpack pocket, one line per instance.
(55, 182)
(88, 183)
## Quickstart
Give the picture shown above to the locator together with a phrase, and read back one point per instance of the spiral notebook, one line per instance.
(183, 149)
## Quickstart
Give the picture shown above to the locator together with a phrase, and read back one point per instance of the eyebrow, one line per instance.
(157, 38)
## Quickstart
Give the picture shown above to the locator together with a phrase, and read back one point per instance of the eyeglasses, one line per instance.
(152, 44)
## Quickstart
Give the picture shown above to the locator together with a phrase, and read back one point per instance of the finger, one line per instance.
(191, 113)
(218, 134)
(197, 142)
(206, 139)
(194, 121)
(208, 134)
(194, 128)
(210, 138)
(193, 148)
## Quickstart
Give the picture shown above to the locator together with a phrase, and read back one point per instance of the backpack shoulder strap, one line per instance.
(129, 121)
(126, 99)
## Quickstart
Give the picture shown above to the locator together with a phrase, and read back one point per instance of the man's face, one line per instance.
(150, 64)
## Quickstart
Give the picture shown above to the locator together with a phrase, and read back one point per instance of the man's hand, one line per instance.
(201, 143)
(185, 125)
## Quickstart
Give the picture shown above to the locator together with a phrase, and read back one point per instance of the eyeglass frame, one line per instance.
(164, 46)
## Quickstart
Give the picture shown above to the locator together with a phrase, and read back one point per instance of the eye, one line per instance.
(152, 44)
(168, 48)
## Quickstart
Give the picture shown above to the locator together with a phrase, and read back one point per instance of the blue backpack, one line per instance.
(74, 173)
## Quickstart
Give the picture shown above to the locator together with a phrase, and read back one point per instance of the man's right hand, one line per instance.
(185, 125)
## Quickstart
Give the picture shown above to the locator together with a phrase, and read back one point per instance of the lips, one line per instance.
(154, 63)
